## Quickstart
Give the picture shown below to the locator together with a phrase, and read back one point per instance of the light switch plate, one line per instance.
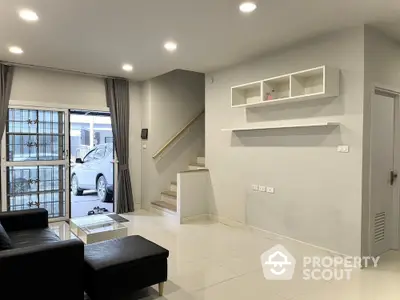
(270, 190)
(255, 187)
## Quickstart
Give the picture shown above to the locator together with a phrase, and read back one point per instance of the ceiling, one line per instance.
(98, 36)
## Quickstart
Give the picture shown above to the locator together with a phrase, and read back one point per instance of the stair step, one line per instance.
(201, 160)
(173, 186)
(169, 197)
(165, 205)
(197, 166)
(169, 193)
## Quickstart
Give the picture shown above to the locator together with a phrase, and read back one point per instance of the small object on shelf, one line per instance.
(269, 96)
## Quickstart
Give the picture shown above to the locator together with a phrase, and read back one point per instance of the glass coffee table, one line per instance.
(97, 228)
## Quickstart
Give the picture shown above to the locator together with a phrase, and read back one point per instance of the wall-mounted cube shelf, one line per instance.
(320, 82)
(247, 94)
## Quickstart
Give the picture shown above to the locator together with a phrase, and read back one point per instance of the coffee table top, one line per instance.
(91, 220)
(95, 225)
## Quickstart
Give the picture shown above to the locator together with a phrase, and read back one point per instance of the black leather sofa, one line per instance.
(39, 265)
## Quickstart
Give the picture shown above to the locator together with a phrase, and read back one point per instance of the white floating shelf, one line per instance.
(324, 124)
(320, 82)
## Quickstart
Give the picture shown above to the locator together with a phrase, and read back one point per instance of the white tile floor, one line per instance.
(212, 261)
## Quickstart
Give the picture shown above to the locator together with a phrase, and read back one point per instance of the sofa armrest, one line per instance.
(24, 219)
(44, 270)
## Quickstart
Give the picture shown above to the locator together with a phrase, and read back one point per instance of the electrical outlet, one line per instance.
(255, 187)
(343, 149)
(270, 190)
(262, 188)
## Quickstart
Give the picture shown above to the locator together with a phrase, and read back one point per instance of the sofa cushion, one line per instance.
(27, 238)
(5, 242)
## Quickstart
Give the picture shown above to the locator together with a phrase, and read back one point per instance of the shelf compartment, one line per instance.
(308, 82)
(246, 94)
(276, 88)
(317, 83)
(322, 124)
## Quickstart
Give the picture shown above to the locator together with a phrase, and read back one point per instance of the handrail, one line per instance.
(171, 140)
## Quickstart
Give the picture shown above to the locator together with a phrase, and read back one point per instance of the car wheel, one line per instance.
(75, 186)
(102, 192)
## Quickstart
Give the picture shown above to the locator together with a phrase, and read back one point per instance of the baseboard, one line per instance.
(234, 223)
(280, 236)
(195, 218)
(227, 221)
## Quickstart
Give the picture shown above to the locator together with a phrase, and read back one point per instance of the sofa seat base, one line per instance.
(123, 266)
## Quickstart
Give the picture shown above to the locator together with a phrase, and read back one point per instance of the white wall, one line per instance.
(35, 87)
(170, 101)
(317, 190)
(193, 192)
(382, 69)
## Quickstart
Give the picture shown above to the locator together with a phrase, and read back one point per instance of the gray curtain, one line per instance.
(117, 95)
(6, 77)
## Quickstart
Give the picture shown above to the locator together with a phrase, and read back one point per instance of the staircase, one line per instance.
(168, 200)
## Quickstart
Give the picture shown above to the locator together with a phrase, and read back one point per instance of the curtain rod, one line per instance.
(10, 63)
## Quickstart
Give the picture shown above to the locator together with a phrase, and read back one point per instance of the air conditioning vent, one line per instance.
(379, 227)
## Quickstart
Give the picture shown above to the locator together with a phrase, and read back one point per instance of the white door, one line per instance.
(35, 160)
(383, 174)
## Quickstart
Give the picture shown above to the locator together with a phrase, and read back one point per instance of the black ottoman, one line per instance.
(124, 265)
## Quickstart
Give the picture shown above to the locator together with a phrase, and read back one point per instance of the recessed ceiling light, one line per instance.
(247, 7)
(127, 67)
(15, 50)
(170, 46)
(28, 15)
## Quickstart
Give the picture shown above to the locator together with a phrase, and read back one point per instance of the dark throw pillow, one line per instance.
(5, 242)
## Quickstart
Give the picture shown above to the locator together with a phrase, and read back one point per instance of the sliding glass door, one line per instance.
(92, 163)
(35, 161)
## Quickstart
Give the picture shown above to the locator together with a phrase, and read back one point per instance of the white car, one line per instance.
(95, 172)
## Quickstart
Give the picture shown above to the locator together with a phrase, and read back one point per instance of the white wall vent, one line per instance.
(379, 227)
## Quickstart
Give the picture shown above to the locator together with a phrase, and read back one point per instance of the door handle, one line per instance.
(393, 177)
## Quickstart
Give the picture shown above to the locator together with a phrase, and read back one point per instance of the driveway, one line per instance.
(80, 205)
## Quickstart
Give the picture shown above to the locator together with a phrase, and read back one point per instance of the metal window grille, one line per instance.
(38, 186)
(35, 161)
(35, 135)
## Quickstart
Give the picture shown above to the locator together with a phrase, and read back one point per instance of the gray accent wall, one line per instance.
(317, 189)
(382, 69)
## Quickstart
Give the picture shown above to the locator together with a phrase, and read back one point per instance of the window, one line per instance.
(89, 156)
(35, 162)
(100, 153)
(34, 135)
